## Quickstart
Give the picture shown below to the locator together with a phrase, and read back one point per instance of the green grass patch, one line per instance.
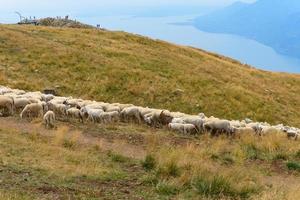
(169, 169)
(164, 188)
(115, 157)
(149, 163)
(218, 187)
(295, 166)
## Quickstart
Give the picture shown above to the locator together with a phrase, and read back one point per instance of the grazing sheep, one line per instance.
(292, 134)
(178, 120)
(105, 117)
(115, 116)
(74, 113)
(268, 130)
(195, 120)
(248, 121)
(202, 115)
(6, 105)
(58, 100)
(131, 113)
(161, 117)
(49, 119)
(60, 110)
(122, 106)
(218, 126)
(33, 110)
(92, 115)
(145, 111)
(47, 97)
(112, 108)
(73, 103)
(256, 127)
(237, 124)
(183, 128)
(20, 103)
(95, 106)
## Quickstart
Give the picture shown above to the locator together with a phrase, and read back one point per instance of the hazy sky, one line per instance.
(60, 4)
(91, 8)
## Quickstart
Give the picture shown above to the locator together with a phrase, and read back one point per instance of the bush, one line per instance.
(228, 160)
(150, 179)
(280, 156)
(170, 169)
(166, 189)
(218, 187)
(149, 163)
(252, 152)
(69, 144)
(117, 157)
(293, 166)
(297, 155)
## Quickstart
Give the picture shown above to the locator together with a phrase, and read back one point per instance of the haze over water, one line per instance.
(169, 29)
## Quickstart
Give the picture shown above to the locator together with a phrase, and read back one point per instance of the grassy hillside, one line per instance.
(121, 67)
(122, 161)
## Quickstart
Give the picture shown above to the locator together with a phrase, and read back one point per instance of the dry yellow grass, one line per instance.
(249, 167)
(74, 162)
(121, 67)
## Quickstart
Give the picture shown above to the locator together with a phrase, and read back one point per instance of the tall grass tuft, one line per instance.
(149, 163)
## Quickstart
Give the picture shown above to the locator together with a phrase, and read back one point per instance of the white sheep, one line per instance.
(47, 97)
(20, 103)
(159, 117)
(49, 119)
(216, 126)
(183, 128)
(74, 113)
(131, 113)
(114, 115)
(33, 110)
(6, 105)
(91, 114)
(111, 108)
(60, 110)
(122, 106)
(104, 117)
(195, 120)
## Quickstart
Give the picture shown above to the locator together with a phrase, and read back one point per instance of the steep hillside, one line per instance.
(121, 67)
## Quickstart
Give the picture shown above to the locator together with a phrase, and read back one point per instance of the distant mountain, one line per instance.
(275, 23)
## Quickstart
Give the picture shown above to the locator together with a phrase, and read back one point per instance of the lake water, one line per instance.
(169, 29)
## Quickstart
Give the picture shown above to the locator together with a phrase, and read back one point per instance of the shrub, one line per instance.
(228, 160)
(70, 144)
(293, 166)
(218, 187)
(150, 179)
(149, 163)
(280, 156)
(166, 189)
(116, 157)
(252, 152)
(297, 155)
(169, 169)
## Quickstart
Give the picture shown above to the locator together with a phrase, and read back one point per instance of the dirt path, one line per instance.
(117, 145)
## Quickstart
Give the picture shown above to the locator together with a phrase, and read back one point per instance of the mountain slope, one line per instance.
(271, 22)
(121, 67)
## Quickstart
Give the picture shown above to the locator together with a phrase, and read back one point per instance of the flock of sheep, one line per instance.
(52, 108)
